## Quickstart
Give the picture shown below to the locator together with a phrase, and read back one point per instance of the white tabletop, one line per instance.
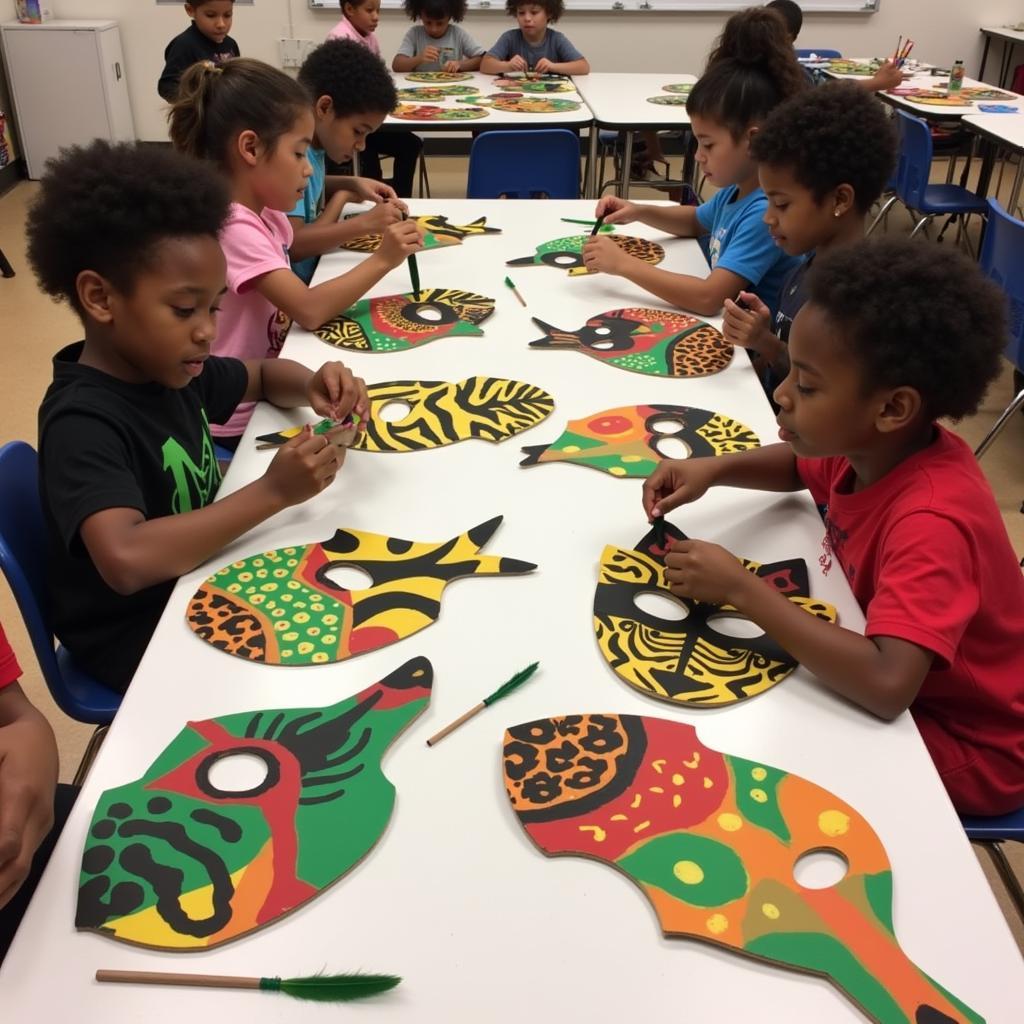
(1004, 32)
(494, 118)
(621, 100)
(456, 898)
(1007, 129)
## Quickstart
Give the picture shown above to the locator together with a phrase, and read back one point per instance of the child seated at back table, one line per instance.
(205, 39)
(894, 336)
(128, 237)
(823, 158)
(534, 46)
(438, 43)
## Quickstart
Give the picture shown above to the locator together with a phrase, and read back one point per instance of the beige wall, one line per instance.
(671, 42)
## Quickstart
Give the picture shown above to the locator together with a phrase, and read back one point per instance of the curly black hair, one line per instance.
(436, 9)
(554, 9)
(355, 79)
(791, 15)
(915, 315)
(106, 208)
(833, 135)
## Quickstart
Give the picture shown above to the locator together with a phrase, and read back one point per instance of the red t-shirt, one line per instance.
(926, 553)
(10, 671)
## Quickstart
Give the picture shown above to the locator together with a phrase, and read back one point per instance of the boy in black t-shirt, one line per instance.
(128, 236)
(205, 39)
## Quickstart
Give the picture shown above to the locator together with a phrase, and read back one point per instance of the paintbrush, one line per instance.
(414, 270)
(597, 225)
(502, 691)
(515, 291)
(573, 220)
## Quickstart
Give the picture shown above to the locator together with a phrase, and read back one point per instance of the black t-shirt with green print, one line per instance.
(104, 444)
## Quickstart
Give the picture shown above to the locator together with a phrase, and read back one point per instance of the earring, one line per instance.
(838, 213)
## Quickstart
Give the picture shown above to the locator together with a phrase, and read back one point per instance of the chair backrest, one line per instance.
(824, 54)
(915, 163)
(1002, 259)
(521, 164)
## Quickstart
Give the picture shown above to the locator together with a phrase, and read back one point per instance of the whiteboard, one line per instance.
(626, 6)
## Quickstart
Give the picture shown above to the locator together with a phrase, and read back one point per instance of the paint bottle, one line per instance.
(956, 77)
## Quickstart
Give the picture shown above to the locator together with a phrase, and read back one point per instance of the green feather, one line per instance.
(332, 988)
(514, 683)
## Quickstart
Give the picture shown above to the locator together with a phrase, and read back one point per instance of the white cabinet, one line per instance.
(68, 86)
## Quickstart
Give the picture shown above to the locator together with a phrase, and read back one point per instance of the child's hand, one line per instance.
(399, 241)
(431, 53)
(303, 467)
(704, 572)
(748, 328)
(376, 221)
(517, 63)
(616, 210)
(544, 66)
(676, 482)
(888, 76)
(452, 67)
(334, 391)
(602, 255)
(366, 190)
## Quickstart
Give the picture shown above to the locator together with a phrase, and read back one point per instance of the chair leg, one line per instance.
(424, 184)
(997, 427)
(1013, 886)
(922, 223)
(886, 207)
(5, 265)
(91, 750)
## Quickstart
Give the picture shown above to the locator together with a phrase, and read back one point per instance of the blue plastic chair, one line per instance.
(23, 561)
(824, 54)
(523, 164)
(912, 185)
(1002, 259)
(992, 832)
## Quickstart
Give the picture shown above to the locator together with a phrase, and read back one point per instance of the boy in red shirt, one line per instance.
(894, 336)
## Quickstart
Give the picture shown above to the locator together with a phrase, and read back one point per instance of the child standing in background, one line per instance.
(205, 39)
(359, 23)
(437, 44)
(823, 159)
(256, 124)
(534, 46)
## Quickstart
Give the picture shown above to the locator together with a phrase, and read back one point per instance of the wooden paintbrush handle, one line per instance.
(194, 980)
(461, 720)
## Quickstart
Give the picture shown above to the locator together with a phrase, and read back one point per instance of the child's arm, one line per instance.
(565, 67)
(676, 220)
(131, 552)
(311, 307)
(405, 62)
(882, 674)
(327, 232)
(470, 63)
(491, 65)
(28, 779)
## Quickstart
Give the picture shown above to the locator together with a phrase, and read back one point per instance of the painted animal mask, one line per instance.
(711, 839)
(433, 93)
(443, 412)
(567, 253)
(172, 861)
(657, 342)
(282, 608)
(429, 112)
(524, 104)
(442, 77)
(527, 85)
(393, 323)
(437, 233)
(624, 442)
(689, 661)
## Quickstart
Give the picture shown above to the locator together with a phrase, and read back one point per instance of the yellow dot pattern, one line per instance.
(717, 923)
(688, 872)
(730, 822)
(834, 823)
(770, 911)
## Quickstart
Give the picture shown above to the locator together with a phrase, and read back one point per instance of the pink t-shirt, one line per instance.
(346, 30)
(250, 326)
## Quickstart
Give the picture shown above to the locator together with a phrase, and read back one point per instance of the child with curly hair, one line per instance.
(128, 236)
(823, 158)
(534, 46)
(438, 43)
(894, 336)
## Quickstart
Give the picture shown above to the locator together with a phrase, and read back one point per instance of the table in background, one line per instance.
(456, 898)
(620, 102)
(1009, 37)
(999, 131)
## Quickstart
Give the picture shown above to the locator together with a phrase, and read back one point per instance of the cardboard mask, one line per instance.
(437, 233)
(567, 253)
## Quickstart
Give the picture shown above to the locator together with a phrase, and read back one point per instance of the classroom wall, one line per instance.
(673, 42)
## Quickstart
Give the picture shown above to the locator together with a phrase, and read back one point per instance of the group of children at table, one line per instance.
(177, 264)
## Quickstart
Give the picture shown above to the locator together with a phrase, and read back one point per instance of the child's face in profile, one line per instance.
(723, 159)
(824, 408)
(533, 20)
(279, 175)
(342, 135)
(797, 221)
(365, 17)
(212, 18)
(435, 27)
(162, 329)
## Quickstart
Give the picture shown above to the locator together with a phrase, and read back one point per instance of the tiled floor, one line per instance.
(34, 328)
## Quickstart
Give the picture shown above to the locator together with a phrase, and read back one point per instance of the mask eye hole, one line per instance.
(738, 626)
(661, 606)
(393, 411)
(346, 577)
(820, 869)
(672, 448)
(246, 772)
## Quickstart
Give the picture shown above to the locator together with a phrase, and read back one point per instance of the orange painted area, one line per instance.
(250, 894)
(678, 918)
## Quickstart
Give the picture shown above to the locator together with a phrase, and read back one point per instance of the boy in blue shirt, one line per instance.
(533, 46)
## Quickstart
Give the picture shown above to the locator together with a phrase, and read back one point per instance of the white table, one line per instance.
(1004, 131)
(455, 898)
(620, 101)
(1009, 37)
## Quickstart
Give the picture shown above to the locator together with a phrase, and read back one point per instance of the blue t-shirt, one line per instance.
(555, 46)
(309, 207)
(739, 241)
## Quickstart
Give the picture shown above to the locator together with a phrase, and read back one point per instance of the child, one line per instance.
(823, 158)
(726, 108)
(359, 23)
(205, 39)
(128, 236)
(256, 124)
(353, 93)
(894, 336)
(533, 46)
(437, 44)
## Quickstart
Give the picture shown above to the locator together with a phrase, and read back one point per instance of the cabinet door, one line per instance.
(119, 109)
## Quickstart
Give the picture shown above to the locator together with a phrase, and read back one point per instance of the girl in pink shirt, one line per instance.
(256, 123)
(359, 23)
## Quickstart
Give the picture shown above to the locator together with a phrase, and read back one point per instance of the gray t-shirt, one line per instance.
(455, 44)
(555, 46)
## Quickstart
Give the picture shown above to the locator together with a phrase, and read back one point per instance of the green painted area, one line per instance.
(643, 362)
(878, 889)
(694, 869)
(972, 1016)
(569, 438)
(756, 787)
(644, 468)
